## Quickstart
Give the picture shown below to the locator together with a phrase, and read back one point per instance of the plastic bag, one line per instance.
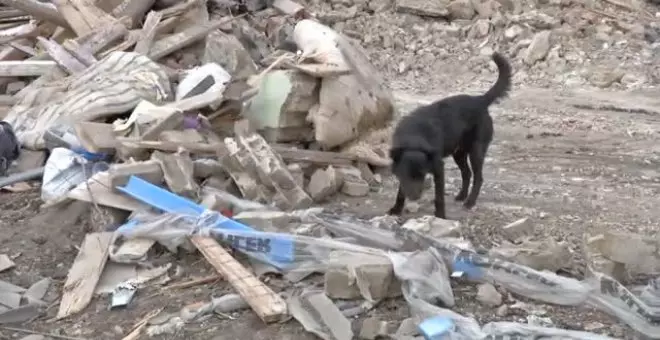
(64, 170)
(284, 251)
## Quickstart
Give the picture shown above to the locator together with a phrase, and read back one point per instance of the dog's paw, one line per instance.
(460, 197)
(441, 215)
(468, 205)
(395, 211)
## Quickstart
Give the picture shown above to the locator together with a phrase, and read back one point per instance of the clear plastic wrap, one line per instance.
(291, 253)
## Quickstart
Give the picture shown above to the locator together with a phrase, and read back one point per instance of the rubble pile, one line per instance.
(221, 128)
(605, 44)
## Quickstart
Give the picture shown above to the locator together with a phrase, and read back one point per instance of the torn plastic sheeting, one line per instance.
(418, 291)
(64, 170)
(281, 253)
(365, 233)
(498, 330)
(300, 253)
(600, 291)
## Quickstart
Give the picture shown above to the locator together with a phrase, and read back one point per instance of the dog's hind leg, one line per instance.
(477, 155)
(461, 159)
(397, 209)
(439, 183)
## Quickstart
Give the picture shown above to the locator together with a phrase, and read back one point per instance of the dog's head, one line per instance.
(410, 167)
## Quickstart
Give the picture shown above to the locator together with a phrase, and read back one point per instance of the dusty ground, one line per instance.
(571, 170)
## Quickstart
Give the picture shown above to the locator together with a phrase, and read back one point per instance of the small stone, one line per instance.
(373, 328)
(433, 226)
(513, 32)
(502, 311)
(488, 295)
(546, 255)
(352, 183)
(480, 29)
(461, 10)
(518, 229)
(297, 173)
(323, 184)
(538, 49)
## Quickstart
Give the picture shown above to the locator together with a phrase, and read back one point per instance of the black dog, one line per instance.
(10, 149)
(459, 126)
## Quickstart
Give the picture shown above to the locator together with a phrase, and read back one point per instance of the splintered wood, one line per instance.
(269, 306)
(84, 274)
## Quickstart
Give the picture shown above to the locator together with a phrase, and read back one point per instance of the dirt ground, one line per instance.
(572, 171)
(557, 158)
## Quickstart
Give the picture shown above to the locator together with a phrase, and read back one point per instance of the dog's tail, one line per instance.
(503, 83)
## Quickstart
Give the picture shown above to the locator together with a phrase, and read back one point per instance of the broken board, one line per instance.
(269, 306)
(84, 274)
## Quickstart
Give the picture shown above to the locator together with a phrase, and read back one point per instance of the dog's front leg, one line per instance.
(397, 209)
(439, 181)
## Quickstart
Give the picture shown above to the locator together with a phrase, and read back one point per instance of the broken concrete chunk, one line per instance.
(225, 50)
(268, 221)
(518, 229)
(461, 10)
(435, 9)
(279, 110)
(149, 171)
(488, 295)
(252, 162)
(407, 328)
(324, 183)
(320, 316)
(96, 137)
(205, 168)
(352, 182)
(545, 255)
(297, 172)
(538, 49)
(637, 253)
(433, 227)
(373, 328)
(370, 276)
(178, 172)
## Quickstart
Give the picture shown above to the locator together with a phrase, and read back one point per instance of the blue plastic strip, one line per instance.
(280, 251)
(436, 328)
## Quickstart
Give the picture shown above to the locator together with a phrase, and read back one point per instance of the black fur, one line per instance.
(459, 126)
(10, 149)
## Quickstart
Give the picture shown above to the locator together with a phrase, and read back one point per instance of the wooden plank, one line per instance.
(84, 274)
(82, 53)
(75, 19)
(294, 155)
(26, 68)
(17, 32)
(269, 306)
(204, 148)
(39, 10)
(148, 32)
(134, 9)
(61, 56)
(177, 41)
